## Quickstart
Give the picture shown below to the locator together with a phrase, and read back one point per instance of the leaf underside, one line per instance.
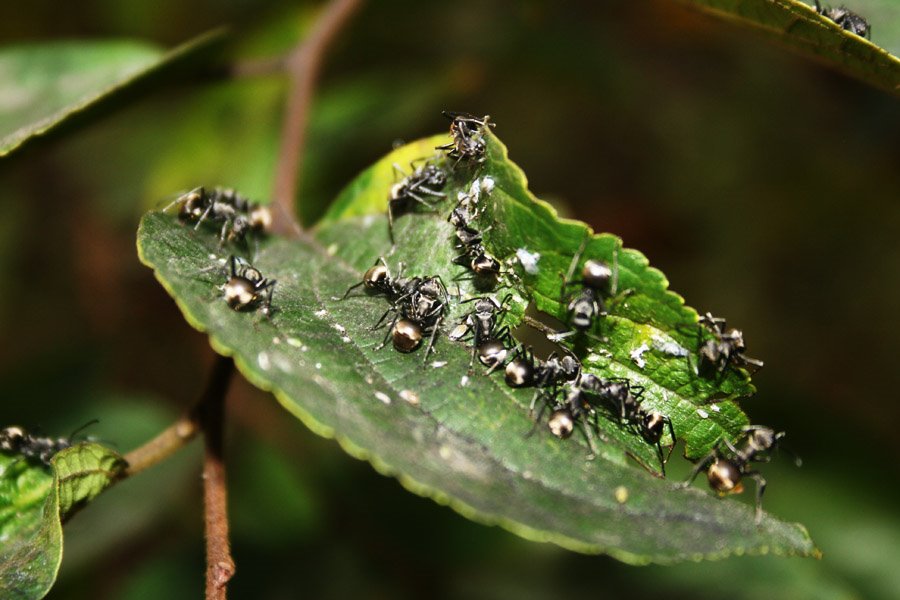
(460, 436)
(798, 25)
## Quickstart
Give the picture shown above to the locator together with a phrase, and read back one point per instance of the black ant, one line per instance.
(237, 214)
(725, 348)
(470, 241)
(526, 371)
(425, 180)
(726, 470)
(418, 305)
(488, 341)
(16, 440)
(846, 19)
(468, 137)
(597, 280)
(625, 400)
(571, 411)
(246, 287)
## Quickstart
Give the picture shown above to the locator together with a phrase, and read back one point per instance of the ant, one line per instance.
(237, 214)
(571, 411)
(417, 303)
(468, 137)
(846, 19)
(246, 287)
(526, 371)
(470, 241)
(35, 448)
(487, 339)
(626, 399)
(726, 470)
(597, 280)
(426, 179)
(725, 348)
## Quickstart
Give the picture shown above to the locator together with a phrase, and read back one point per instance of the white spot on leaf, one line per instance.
(528, 260)
(637, 355)
(410, 396)
(263, 360)
(383, 397)
(703, 414)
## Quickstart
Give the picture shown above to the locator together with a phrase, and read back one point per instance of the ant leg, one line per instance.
(730, 446)
(203, 216)
(760, 490)
(537, 421)
(351, 288)
(390, 215)
(674, 441)
(270, 288)
(590, 440)
(434, 331)
(700, 466)
(383, 317)
(576, 257)
(390, 330)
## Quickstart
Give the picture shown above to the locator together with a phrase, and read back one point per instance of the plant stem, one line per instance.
(303, 67)
(219, 564)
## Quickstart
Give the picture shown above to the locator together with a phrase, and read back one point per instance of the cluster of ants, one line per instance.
(418, 307)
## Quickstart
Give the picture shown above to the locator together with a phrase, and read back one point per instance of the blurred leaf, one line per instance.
(798, 25)
(30, 529)
(33, 503)
(459, 439)
(45, 86)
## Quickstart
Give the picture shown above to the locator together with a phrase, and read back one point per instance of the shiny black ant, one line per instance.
(468, 137)
(727, 469)
(425, 180)
(488, 341)
(572, 410)
(527, 371)
(33, 448)
(725, 348)
(237, 214)
(418, 305)
(470, 242)
(625, 401)
(587, 306)
(246, 287)
(846, 19)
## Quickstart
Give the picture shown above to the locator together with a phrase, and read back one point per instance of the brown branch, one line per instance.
(211, 415)
(303, 67)
(182, 431)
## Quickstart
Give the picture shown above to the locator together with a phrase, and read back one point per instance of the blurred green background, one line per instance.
(764, 185)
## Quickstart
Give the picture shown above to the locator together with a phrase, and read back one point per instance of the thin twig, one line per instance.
(303, 67)
(219, 564)
(182, 431)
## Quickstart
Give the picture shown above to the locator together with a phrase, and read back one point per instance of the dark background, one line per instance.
(763, 184)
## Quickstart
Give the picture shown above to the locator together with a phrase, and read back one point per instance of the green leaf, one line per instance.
(651, 321)
(461, 437)
(43, 87)
(798, 25)
(34, 501)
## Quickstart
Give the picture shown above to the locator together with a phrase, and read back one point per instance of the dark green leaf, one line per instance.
(798, 25)
(45, 86)
(462, 437)
(34, 501)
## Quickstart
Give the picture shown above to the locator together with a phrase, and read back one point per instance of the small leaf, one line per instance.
(797, 24)
(33, 503)
(44, 86)
(460, 436)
